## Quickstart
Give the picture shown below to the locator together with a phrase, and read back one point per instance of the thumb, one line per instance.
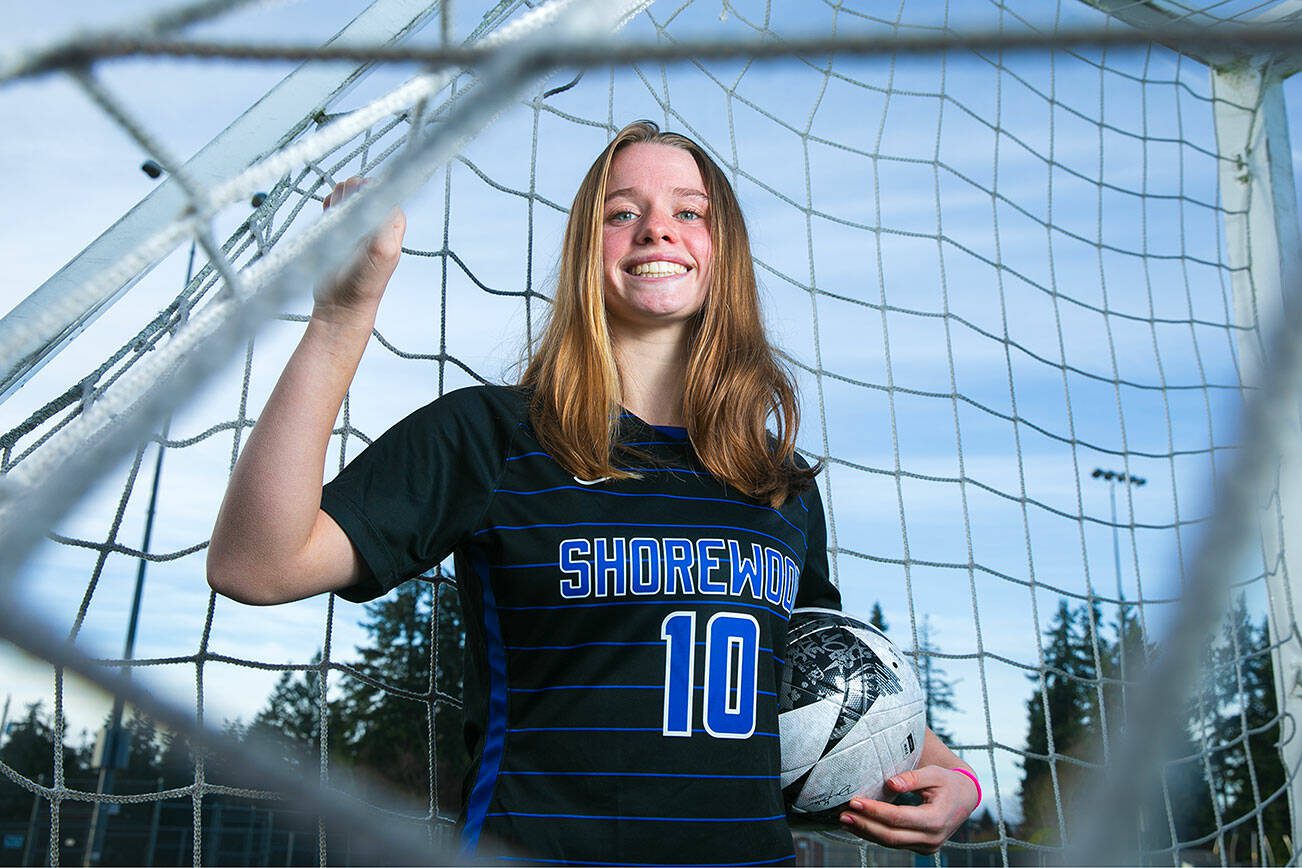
(918, 779)
(904, 782)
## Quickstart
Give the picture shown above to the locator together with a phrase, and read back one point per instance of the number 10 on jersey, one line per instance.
(731, 665)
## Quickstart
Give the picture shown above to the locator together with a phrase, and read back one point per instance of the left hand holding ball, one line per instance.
(948, 798)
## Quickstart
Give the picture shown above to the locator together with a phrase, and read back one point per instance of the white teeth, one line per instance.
(659, 268)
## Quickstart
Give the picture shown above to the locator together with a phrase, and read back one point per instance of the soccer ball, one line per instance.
(851, 713)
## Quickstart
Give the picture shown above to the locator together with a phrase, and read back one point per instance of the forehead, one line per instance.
(649, 166)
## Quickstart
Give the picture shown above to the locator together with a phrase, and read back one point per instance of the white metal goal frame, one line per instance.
(1255, 189)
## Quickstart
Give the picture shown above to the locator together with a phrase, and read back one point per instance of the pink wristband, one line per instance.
(975, 783)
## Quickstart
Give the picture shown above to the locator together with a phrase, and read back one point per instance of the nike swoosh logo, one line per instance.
(591, 481)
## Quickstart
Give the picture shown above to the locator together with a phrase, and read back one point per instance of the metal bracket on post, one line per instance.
(1262, 248)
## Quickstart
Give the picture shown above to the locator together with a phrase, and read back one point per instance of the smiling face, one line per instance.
(655, 237)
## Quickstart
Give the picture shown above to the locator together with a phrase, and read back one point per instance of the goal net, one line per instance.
(1030, 263)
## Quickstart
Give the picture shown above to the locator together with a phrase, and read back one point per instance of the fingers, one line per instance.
(342, 191)
(868, 822)
(918, 828)
(885, 813)
(384, 245)
(921, 828)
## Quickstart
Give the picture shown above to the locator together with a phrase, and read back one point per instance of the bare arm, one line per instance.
(272, 542)
(948, 798)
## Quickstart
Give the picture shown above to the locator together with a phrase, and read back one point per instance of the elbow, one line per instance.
(236, 581)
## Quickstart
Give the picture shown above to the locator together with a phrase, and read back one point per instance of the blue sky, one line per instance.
(900, 214)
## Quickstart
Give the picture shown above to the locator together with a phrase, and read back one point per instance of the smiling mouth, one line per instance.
(658, 268)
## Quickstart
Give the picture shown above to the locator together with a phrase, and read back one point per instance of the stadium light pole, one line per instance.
(114, 755)
(1114, 478)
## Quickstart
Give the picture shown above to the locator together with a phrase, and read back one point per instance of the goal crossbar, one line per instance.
(41, 325)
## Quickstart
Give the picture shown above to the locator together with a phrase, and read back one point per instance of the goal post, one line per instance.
(1262, 248)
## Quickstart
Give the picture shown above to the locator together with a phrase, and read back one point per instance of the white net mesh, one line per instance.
(1003, 277)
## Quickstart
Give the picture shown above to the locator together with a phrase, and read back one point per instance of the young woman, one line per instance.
(629, 539)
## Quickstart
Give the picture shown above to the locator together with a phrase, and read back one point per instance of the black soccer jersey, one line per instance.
(624, 638)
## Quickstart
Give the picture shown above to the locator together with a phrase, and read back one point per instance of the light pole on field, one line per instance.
(115, 753)
(1114, 478)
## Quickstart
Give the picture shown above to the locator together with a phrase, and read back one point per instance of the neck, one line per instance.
(652, 374)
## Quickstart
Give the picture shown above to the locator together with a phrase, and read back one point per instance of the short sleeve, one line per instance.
(420, 490)
(816, 588)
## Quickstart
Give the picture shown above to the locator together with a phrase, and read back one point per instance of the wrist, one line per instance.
(342, 320)
(973, 778)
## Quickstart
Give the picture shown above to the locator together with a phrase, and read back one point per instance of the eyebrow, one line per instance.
(687, 192)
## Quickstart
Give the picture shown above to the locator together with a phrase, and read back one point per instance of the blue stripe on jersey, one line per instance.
(731, 605)
(622, 817)
(787, 858)
(526, 455)
(659, 644)
(674, 526)
(495, 735)
(591, 687)
(591, 490)
(609, 687)
(646, 775)
(611, 729)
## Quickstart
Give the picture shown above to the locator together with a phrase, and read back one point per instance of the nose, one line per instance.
(658, 226)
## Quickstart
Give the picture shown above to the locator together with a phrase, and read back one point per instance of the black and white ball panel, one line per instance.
(853, 712)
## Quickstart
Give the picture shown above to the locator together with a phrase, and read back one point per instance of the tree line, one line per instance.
(383, 714)
(380, 720)
(1222, 786)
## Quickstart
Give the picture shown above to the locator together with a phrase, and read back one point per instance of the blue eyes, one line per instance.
(687, 215)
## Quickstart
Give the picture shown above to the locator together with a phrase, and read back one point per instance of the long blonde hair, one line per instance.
(734, 380)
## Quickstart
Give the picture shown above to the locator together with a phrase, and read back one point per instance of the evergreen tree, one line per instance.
(144, 749)
(1245, 733)
(294, 708)
(379, 725)
(175, 760)
(1185, 801)
(938, 690)
(291, 719)
(29, 750)
(876, 618)
(388, 733)
(1233, 725)
(982, 827)
(1067, 685)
